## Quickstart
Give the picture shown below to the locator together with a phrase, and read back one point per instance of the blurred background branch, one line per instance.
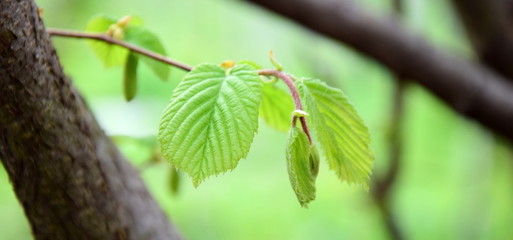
(469, 88)
(490, 30)
(384, 183)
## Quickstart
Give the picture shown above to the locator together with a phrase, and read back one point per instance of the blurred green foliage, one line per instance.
(456, 181)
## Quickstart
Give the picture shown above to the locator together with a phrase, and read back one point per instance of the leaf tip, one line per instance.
(275, 62)
(196, 182)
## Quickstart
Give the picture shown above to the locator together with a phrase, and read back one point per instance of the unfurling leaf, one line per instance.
(111, 55)
(314, 160)
(130, 77)
(302, 166)
(130, 30)
(143, 38)
(341, 133)
(211, 120)
(276, 108)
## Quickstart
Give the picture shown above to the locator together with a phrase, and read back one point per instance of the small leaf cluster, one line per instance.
(128, 29)
(213, 114)
(212, 118)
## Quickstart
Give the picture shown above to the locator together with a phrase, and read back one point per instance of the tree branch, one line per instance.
(384, 184)
(70, 178)
(103, 37)
(487, 25)
(506, 7)
(293, 91)
(107, 39)
(467, 87)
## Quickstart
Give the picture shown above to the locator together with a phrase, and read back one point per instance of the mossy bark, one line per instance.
(70, 178)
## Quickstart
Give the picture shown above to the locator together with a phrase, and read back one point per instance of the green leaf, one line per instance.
(211, 120)
(100, 23)
(147, 40)
(277, 106)
(135, 21)
(130, 77)
(300, 165)
(314, 160)
(111, 55)
(341, 133)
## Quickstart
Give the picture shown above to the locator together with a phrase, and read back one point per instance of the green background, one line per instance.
(456, 180)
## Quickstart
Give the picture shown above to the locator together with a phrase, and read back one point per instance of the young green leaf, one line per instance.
(277, 106)
(300, 166)
(100, 23)
(314, 160)
(111, 55)
(341, 133)
(145, 39)
(211, 120)
(130, 77)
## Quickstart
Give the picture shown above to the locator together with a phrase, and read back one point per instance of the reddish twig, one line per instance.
(293, 90)
(108, 39)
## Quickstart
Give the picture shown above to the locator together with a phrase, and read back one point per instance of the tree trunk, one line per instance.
(70, 178)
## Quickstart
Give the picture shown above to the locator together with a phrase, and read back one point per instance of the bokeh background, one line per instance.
(456, 179)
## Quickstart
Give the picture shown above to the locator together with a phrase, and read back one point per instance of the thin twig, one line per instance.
(288, 81)
(108, 39)
(395, 137)
(293, 90)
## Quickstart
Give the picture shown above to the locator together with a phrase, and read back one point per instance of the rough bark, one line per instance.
(467, 87)
(68, 175)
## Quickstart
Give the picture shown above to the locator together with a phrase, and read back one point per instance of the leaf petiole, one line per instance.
(295, 95)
